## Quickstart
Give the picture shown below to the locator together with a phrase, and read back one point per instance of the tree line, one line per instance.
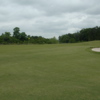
(23, 38)
(85, 34)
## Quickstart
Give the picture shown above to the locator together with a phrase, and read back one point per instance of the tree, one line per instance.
(53, 40)
(16, 33)
(22, 36)
(6, 37)
(63, 38)
(85, 34)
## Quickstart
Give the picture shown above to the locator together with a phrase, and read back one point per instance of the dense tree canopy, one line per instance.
(23, 38)
(16, 32)
(86, 34)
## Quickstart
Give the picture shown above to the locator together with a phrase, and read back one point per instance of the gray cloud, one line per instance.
(48, 18)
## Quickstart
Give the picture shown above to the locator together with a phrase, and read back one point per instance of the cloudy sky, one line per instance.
(48, 18)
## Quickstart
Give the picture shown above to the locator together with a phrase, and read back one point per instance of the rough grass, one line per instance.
(50, 72)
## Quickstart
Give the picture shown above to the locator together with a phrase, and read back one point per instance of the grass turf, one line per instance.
(50, 72)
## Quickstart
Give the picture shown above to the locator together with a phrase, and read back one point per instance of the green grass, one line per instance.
(50, 72)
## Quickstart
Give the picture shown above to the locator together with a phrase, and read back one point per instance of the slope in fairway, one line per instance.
(50, 72)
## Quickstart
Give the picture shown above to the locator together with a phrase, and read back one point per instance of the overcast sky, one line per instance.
(48, 18)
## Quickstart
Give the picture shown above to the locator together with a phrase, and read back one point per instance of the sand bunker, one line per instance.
(96, 49)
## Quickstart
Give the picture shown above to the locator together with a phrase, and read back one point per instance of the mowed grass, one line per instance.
(50, 72)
